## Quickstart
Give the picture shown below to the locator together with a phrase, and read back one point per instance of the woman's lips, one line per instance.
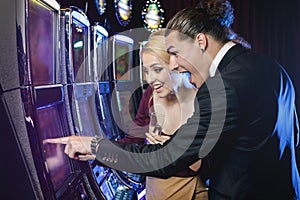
(157, 87)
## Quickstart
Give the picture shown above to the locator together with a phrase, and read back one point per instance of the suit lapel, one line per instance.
(234, 51)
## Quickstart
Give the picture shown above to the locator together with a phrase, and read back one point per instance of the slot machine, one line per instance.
(125, 97)
(113, 184)
(80, 78)
(36, 102)
(100, 58)
(87, 94)
(80, 74)
(126, 76)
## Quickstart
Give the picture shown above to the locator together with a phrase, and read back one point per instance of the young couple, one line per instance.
(244, 118)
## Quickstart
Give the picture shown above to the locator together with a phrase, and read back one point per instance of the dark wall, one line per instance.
(273, 28)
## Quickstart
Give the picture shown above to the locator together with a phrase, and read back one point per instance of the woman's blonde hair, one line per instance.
(156, 45)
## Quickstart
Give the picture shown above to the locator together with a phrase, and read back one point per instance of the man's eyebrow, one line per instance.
(169, 48)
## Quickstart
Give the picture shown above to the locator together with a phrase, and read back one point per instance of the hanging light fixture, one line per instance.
(152, 15)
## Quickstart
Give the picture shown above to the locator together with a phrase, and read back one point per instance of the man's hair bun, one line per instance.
(219, 10)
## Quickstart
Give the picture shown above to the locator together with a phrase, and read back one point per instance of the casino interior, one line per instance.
(72, 67)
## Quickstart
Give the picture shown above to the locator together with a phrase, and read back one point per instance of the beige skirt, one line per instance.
(187, 188)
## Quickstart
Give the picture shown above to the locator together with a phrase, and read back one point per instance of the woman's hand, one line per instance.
(156, 139)
(196, 166)
(77, 147)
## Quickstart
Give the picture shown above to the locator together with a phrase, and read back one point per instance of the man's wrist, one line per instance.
(95, 144)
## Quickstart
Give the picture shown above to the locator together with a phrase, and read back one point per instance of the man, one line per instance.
(244, 121)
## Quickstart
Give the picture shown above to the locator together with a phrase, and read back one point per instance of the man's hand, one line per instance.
(77, 147)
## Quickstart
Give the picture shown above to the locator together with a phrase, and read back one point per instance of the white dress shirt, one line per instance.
(215, 63)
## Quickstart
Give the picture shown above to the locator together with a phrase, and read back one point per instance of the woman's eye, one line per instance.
(157, 70)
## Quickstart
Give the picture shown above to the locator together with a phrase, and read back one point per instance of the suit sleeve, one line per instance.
(213, 118)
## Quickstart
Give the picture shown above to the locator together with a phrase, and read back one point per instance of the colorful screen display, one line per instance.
(122, 63)
(123, 57)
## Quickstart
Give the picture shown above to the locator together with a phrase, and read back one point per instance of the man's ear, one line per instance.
(201, 40)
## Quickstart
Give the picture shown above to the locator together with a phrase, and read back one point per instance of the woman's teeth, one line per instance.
(157, 86)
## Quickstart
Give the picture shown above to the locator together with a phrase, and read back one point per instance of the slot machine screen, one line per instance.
(104, 109)
(106, 119)
(89, 128)
(51, 126)
(101, 54)
(125, 105)
(79, 50)
(42, 40)
(123, 57)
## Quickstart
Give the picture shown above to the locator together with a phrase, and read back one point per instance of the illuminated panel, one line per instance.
(100, 52)
(51, 126)
(104, 111)
(123, 10)
(123, 47)
(101, 6)
(78, 50)
(101, 31)
(86, 118)
(152, 15)
(42, 39)
(124, 105)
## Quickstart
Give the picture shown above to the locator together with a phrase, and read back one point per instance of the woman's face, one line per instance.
(157, 74)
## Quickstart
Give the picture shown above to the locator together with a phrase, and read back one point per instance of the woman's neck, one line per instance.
(169, 100)
(186, 95)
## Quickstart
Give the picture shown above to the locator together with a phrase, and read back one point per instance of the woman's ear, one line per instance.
(201, 40)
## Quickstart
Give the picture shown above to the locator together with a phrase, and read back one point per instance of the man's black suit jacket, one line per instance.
(244, 122)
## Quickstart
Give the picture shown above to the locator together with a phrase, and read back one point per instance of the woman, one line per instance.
(160, 98)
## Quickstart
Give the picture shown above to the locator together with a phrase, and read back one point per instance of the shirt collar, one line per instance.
(215, 63)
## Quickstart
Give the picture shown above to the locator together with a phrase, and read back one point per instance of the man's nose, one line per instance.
(173, 64)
